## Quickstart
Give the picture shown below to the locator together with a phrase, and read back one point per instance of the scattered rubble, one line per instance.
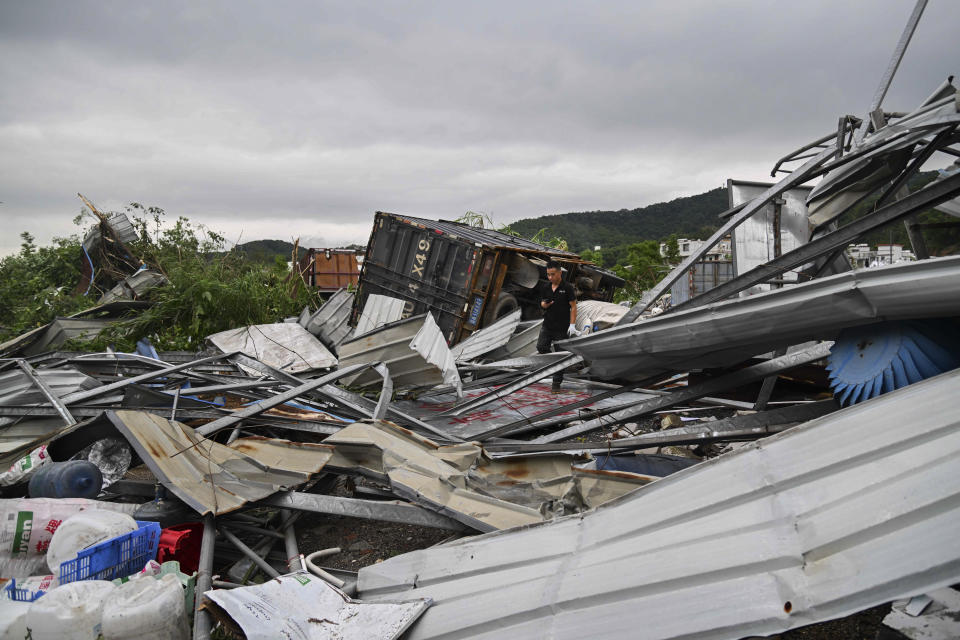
(695, 475)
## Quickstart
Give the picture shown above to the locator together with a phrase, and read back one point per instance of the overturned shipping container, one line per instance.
(466, 276)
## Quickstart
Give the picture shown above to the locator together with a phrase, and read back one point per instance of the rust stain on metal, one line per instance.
(197, 474)
(626, 475)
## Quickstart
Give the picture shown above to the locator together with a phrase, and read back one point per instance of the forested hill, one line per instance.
(685, 217)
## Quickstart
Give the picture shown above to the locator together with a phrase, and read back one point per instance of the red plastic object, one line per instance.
(181, 543)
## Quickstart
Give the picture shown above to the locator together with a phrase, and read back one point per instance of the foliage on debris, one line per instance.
(482, 220)
(36, 284)
(209, 289)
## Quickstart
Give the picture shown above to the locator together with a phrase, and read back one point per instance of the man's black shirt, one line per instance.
(557, 317)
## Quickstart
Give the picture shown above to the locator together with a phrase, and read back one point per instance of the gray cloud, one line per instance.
(302, 118)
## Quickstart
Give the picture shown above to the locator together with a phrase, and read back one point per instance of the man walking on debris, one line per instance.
(559, 303)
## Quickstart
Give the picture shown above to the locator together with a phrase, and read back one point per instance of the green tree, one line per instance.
(596, 257)
(673, 249)
(643, 268)
(37, 284)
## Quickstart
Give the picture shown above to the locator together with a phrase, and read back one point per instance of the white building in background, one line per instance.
(687, 246)
(862, 256)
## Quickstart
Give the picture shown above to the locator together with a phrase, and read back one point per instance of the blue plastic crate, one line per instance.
(114, 558)
(21, 595)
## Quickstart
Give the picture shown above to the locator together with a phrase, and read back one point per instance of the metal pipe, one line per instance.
(220, 584)
(250, 553)
(388, 511)
(258, 530)
(173, 407)
(78, 396)
(201, 619)
(344, 398)
(894, 62)
(295, 561)
(241, 569)
(319, 572)
(46, 391)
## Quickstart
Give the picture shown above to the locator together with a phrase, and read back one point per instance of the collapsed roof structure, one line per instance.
(621, 502)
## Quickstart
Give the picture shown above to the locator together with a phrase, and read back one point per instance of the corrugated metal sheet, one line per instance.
(702, 276)
(753, 241)
(837, 515)
(488, 339)
(728, 332)
(882, 152)
(478, 235)
(134, 286)
(329, 323)
(63, 329)
(19, 437)
(378, 311)
(522, 343)
(460, 481)
(215, 478)
(390, 344)
(16, 387)
(284, 345)
(121, 226)
(432, 347)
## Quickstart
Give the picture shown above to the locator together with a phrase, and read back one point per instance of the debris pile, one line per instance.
(693, 474)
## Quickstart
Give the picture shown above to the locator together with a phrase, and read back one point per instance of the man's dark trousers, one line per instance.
(545, 344)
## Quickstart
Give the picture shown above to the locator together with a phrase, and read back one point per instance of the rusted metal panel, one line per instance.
(215, 478)
(463, 483)
(332, 269)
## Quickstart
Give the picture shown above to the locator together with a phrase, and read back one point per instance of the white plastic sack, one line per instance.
(70, 612)
(84, 530)
(151, 608)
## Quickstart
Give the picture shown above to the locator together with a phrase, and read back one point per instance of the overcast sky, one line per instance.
(284, 119)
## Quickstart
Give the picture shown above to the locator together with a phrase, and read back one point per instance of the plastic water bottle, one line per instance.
(71, 479)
